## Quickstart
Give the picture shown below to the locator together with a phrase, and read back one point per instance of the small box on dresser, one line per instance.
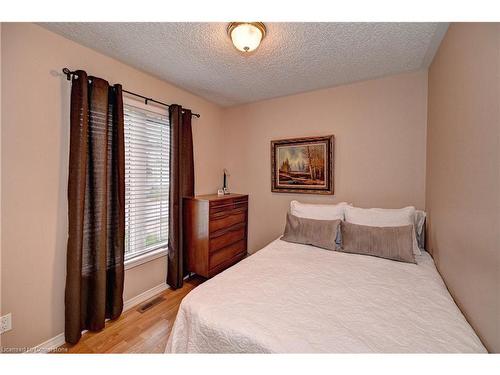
(215, 232)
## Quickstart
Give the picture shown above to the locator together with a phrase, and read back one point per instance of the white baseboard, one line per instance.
(49, 345)
(57, 341)
(134, 301)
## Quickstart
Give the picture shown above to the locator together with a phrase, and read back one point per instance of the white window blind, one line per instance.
(147, 151)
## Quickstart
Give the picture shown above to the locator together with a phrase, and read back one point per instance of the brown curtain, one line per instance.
(96, 206)
(181, 185)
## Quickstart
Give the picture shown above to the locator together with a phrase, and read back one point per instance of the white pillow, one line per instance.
(318, 211)
(419, 227)
(383, 217)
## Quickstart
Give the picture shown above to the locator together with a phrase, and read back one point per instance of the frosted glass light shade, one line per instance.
(246, 37)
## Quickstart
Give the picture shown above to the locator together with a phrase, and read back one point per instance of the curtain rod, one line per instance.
(69, 73)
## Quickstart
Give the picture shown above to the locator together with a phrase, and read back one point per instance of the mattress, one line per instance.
(291, 298)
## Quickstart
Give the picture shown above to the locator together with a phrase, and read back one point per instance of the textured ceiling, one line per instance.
(293, 58)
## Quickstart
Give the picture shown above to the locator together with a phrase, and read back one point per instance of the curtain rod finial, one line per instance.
(67, 72)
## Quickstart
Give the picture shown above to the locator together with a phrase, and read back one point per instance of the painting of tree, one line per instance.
(315, 156)
(303, 164)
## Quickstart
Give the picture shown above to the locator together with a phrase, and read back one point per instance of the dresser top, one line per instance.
(215, 197)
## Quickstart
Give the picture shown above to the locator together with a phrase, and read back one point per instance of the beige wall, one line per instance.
(34, 169)
(463, 169)
(380, 131)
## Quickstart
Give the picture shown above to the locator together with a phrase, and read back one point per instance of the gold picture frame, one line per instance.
(303, 165)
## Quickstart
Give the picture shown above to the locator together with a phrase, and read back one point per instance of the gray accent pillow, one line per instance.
(319, 233)
(394, 243)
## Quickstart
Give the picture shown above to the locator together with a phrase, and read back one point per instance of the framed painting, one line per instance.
(302, 165)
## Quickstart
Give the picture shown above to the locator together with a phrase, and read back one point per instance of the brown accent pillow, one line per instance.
(319, 233)
(394, 243)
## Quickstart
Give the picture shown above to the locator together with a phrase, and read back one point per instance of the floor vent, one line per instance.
(149, 304)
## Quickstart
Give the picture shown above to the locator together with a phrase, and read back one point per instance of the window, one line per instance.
(147, 152)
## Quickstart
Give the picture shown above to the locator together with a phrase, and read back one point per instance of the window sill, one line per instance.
(145, 258)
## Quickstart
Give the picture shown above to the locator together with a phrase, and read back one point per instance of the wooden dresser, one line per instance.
(215, 230)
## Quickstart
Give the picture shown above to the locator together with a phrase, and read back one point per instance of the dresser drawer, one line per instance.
(225, 219)
(228, 263)
(226, 253)
(225, 205)
(227, 236)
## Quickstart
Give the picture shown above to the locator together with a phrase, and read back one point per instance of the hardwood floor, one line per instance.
(135, 332)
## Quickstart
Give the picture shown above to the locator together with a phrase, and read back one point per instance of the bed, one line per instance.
(292, 298)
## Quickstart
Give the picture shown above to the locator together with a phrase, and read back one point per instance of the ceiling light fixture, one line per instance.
(246, 36)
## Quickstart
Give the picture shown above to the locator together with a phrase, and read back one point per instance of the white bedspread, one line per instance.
(297, 298)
